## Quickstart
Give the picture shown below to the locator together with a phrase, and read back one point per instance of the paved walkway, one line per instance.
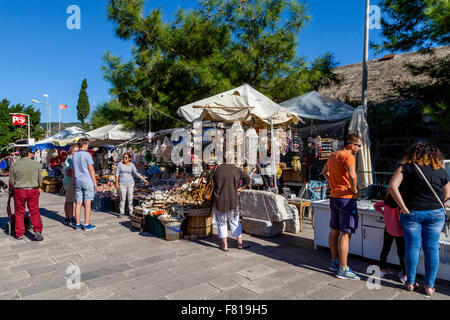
(119, 263)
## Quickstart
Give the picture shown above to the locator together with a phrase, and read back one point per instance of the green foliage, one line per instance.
(10, 133)
(414, 23)
(440, 113)
(202, 52)
(109, 112)
(83, 107)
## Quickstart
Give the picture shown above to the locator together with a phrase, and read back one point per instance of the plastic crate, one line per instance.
(115, 205)
(154, 226)
(101, 204)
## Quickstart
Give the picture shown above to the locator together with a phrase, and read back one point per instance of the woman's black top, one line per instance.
(417, 195)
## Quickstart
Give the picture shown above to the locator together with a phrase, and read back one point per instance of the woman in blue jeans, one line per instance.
(421, 214)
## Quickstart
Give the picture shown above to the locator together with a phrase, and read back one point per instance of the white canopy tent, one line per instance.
(244, 104)
(359, 126)
(114, 134)
(314, 105)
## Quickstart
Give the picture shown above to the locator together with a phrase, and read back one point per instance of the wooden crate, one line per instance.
(291, 175)
(137, 222)
(201, 226)
(52, 188)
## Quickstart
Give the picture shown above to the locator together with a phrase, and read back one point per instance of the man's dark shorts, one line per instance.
(344, 215)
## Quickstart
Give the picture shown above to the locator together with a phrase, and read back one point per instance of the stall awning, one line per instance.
(314, 105)
(243, 104)
(61, 139)
(115, 133)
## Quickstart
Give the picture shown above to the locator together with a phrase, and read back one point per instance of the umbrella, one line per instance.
(359, 126)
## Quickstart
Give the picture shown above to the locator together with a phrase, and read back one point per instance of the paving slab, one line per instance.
(261, 285)
(237, 293)
(228, 281)
(329, 292)
(200, 292)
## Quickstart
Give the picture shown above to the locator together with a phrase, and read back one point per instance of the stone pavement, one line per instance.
(119, 263)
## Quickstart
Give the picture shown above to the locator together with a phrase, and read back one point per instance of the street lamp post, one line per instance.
(28, 117)
(365, 57)
(48, 128)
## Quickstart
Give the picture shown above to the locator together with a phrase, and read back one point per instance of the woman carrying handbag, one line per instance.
(224, 189)
(422, 213)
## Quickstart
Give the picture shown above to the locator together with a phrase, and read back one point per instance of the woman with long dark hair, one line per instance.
(422, 215)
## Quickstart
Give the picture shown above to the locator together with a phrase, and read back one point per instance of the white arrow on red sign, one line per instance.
(19, 120)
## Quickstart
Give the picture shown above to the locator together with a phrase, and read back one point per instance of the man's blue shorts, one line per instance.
(344, 215)
(84, 191)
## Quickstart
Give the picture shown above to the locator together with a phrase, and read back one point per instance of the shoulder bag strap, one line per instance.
(447, 218)
(429, 185)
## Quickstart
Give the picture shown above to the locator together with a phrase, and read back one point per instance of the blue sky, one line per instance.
(39, 54)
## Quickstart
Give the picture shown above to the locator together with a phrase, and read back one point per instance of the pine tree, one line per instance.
(220, 45)
(83, 107)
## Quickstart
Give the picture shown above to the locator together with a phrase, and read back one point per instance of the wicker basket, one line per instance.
(201, 226)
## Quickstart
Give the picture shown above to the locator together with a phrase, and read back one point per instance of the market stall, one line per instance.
(326, 122)
(247, 115)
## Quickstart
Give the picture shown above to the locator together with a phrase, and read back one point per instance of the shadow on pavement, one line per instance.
(298, 252)
(54, 215)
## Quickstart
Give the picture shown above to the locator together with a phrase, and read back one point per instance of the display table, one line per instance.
(367, 241)
(302, 205)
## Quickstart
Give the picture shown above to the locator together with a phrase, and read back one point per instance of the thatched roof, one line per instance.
(382, 72)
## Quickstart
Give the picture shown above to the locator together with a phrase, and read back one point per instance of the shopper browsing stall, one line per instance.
(225, 202)
(85, 184)
(69, 187)
(422, 213)
(393, 231)
(341, 173)
(125, 182)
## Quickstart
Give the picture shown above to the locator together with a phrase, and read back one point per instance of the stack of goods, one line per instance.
(51, 184)
(328, 146)
(106, 196)
(190, 195)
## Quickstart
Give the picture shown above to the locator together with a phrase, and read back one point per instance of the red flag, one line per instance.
(63, 106)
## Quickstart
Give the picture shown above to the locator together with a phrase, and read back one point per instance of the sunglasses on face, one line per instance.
(358, 145)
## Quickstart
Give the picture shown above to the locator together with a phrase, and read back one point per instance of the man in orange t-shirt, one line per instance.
(341, 175)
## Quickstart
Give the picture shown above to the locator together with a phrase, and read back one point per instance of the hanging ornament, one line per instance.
(251, 147)
(235, 141)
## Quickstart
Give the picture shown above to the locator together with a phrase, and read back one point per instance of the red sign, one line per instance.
(19, 120)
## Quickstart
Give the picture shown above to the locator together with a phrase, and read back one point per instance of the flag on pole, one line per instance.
(63, 106)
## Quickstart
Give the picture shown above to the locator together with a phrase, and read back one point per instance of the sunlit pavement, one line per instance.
(116, 262)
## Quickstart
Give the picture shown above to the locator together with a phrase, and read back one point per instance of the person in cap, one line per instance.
(25, 177)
